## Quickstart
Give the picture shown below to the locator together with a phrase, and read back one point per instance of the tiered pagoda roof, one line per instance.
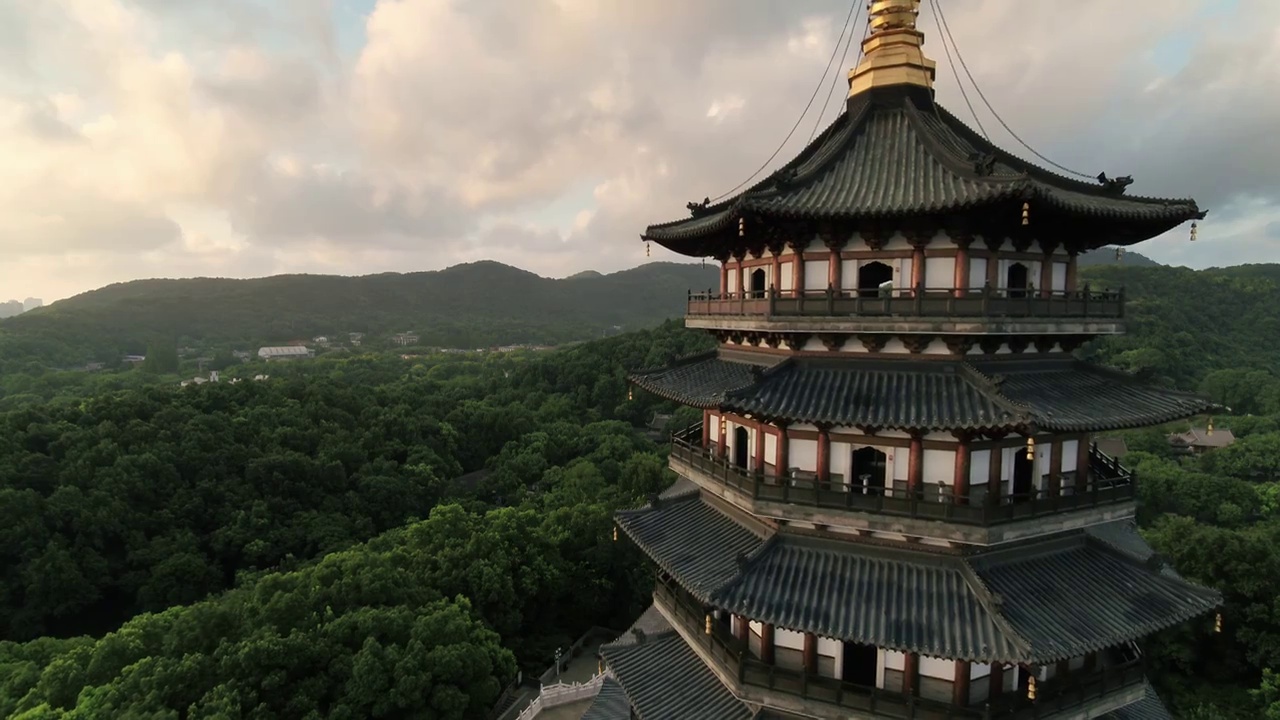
(1056, 394)
(901, 155)
(1016, 605)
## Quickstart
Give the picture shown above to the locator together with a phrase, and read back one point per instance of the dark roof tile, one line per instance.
(664, 679)
(610, 704)
(1148, 708)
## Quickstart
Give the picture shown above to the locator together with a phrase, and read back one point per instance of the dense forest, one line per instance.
(305, 546)
(466, 306)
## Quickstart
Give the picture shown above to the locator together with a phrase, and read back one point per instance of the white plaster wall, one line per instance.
(833, 649)
(840, 457)
(805, 427)
(815, 272)
(771, 449)
(789, 639)
(900, 462)
(1059, 276)
(939, 467)
(788, 276)
(936, 668)
(939, 273)
(893, 660)
(902, 273)
(849, 274)
(977, 273)
(715, 428)
(814, 343)
(802, 454)
(979, 467)
(979, 670)
(1070, 453)
(938, 346)
(733, 280)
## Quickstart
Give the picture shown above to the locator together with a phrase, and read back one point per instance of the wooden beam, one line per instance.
(915, 466)
(823, 470)
(810, 654)
(910, 674)
(961, 481)
(960, 686)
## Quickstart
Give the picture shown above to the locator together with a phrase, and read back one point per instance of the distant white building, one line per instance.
(405, 338)
(285, 352)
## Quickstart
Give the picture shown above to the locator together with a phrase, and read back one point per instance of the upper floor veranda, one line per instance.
(936, 285)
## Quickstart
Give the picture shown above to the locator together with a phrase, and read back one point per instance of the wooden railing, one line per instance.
(1108, 483)
(735, 660)
(914, 302)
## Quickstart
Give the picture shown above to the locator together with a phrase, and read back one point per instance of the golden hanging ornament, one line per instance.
(615, 533)
(1193, 231)
(647, 250)
(708, 623)
(629, 395)
(742, 227)
(1209, 430)
(1217, 623)
(1026, 213)
(1031, 448)
(1031, 688)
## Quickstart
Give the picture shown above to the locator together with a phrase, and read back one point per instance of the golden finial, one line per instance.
(1031, 448)
(615, 533)
(1217, 623)
(708, 623)
(1031, 688)
(1193, 231)
(629, 395)
(599, 667)
(893, 52)
(1026, 213)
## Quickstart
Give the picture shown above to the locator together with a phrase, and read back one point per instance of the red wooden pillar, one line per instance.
(917, 265)
(963, 460)
(1064, 667)
(915, 465)
(766, 643)
(1082, 463)
(960, 688)
(1046, 276)
(833, 271)
(1072, 271)
(810, 654)
(775, 277)
(962, 266)
(743, 629)
(993, 270)
(720, 444)
(823, 471)
(1055, 468)
(759, 454)
(910, 674)
(995, 687)
(706, 429)
(797, 273)
(782, 459)
(724, 277)
(743, 274)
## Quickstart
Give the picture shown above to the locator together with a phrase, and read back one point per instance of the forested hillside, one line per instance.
(474, 305)
(130, 516)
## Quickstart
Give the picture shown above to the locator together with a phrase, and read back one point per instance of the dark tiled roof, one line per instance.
(889, 599)
(900, 159)
(1035, 603)
(664, 679)
(1061, 394)
(1082, 597)
(697, 544)
(610, 704)
(877, 393)
(1148, 708)
(1074, 396)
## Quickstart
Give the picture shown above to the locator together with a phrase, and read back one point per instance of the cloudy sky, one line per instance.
(241, 138)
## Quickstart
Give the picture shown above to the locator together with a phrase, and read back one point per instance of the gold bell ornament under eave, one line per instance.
(1031, 688)
(1026, 213)
(1193, 232)
(1031, 448)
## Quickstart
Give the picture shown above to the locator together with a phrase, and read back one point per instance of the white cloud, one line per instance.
(158, 137)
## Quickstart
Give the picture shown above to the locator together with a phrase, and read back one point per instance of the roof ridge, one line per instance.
(825, 153)
(1021, 412)
(1032, 170)
(948, 159)
(1148, 564)
(744, 564)
(992, 602)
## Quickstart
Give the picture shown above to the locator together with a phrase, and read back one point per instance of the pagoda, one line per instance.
(894, 506)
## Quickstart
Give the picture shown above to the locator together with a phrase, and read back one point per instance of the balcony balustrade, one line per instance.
(1108, 483)
(731, 656)
(986, 302)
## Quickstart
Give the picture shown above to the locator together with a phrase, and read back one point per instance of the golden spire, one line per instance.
(892, 53)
